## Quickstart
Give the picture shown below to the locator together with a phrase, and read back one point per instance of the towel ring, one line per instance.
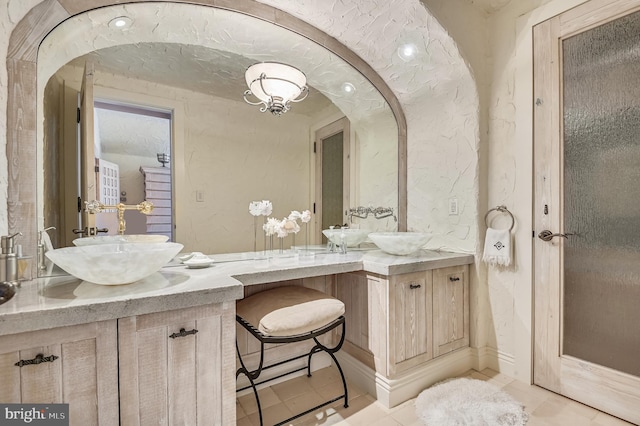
(502, 209)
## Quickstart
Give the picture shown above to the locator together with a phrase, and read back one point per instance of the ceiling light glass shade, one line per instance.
(276, 85)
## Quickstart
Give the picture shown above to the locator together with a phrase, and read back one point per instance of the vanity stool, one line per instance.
(286, 315)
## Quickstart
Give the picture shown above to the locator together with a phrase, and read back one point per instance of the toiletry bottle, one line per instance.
(8, 259)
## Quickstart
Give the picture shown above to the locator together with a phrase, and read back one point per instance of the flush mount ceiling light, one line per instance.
(120, 23)
(275, 85)
(407, 52)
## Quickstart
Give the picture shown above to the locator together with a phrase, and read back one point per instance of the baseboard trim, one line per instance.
(487, 357)
(392, 392)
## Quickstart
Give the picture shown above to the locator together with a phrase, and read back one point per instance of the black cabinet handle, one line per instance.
(454, 278)
(39, 359)
(183, 333)
(414, 286)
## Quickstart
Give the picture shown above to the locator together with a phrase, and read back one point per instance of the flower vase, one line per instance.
(281, 245)
(270, 247)
(255, 235)
(265, 237)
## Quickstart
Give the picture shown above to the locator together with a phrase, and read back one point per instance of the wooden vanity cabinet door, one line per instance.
(410, 320)
(80, 368)
(187, 379)
(450, 309)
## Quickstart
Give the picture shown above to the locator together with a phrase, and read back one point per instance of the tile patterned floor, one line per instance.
(281, 400)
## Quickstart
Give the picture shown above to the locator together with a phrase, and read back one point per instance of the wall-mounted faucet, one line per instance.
(364, 212)
(93, 207)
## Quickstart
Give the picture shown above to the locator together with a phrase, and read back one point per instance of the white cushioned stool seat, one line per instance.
(289, 310)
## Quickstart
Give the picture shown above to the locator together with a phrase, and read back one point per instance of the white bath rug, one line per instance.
(468, 402)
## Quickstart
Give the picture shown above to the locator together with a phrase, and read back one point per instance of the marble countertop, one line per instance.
(64, 300)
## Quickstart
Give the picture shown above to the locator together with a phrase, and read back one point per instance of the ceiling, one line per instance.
(489, 6)
(191, 67)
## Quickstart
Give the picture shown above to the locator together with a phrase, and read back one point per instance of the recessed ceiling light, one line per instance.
(348, 88)
(407, 52)
(121, 22)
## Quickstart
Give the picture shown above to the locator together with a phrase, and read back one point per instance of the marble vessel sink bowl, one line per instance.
(400, 243)
(113, 264)
(353, 237)
(112, 239)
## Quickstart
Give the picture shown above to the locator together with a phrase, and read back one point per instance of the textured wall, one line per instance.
(439, 98)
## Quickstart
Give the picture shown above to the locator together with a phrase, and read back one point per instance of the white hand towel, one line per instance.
(497, 247)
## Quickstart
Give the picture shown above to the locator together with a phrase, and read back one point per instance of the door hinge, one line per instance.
(314, 149)
(79, 204)
(78, 115)
(314, 208)
(96, 169)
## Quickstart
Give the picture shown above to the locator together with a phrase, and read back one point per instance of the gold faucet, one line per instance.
(93, 207)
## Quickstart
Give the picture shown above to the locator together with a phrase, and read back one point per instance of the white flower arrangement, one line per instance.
(260, 208)
(279, 228)
(271, 227)
(305, 216)
(290, 225)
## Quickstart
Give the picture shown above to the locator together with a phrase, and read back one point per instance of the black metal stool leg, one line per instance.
(253, 375)
(320, 347)
(243, 370)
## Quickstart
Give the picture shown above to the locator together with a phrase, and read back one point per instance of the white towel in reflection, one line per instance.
(46, 241)
(497, 247)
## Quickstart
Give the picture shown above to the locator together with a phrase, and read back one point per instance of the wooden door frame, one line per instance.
(549, 366)
(341, 125)
(87, 152)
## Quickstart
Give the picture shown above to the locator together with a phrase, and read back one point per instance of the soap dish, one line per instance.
(188, 256)
(200, 262)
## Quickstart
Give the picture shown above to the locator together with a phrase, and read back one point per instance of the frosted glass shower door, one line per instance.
(587, 206)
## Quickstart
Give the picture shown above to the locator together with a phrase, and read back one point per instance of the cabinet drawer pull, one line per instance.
(39, 359)
(183, 333)
(454, 278)
(414, 286)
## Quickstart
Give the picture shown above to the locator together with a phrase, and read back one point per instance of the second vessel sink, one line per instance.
(400, 243)
(353, 237)
(113, 264)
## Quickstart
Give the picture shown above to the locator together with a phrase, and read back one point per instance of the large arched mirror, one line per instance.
(225, 152)
(241, 38)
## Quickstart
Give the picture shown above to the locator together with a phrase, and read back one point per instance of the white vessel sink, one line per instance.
(353, 237)
(113, 264)
(400, 243)
(112, 239)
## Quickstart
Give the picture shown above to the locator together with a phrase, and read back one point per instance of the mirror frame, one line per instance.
(21, 62)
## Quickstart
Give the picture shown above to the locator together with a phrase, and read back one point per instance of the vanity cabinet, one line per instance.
(178, 367)
(77, 365)
(167, 368)
(410, 320)
(450, 309)
(399, 323)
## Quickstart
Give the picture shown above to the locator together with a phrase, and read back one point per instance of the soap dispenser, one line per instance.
(8, 259)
